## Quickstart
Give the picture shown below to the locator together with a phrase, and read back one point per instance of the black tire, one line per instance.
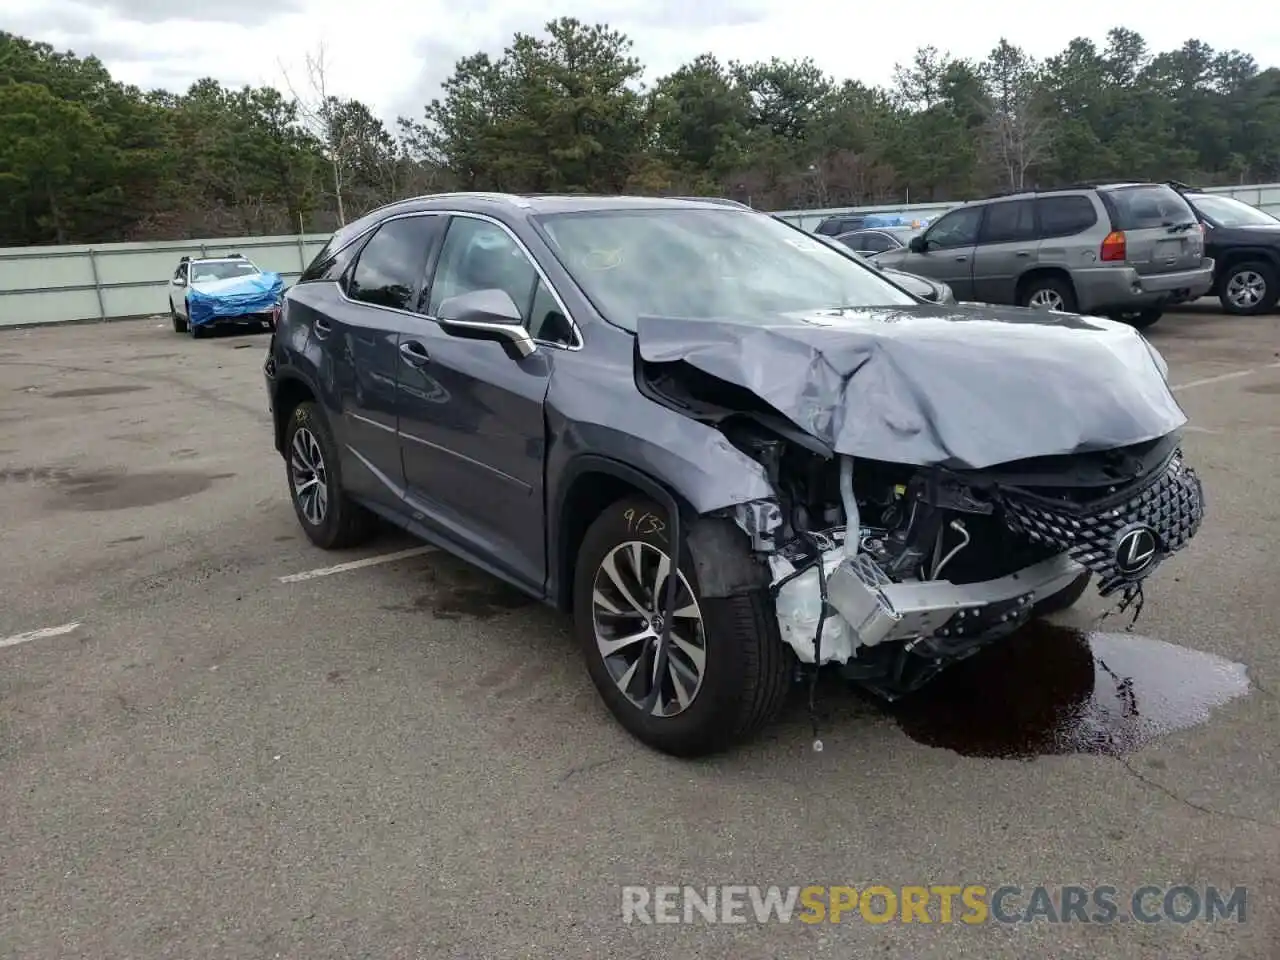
(343, 523)
(1265, 273)
(1065, 598)
(179, 321)
(748, 668)
(1059, 285)
(1139, 319)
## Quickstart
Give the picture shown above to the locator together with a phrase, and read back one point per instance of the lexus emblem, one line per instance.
(1136, 550)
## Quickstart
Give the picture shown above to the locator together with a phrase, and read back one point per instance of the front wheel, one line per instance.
(1249, 289)
(179, 321)
(197, 331)
(329, 518)
(722, 673)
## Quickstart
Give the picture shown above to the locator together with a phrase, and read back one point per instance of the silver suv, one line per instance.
(1124, 250)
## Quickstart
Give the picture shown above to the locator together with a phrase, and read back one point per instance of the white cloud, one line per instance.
(393, 54)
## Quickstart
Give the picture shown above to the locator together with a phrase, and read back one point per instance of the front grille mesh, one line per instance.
(1172, 505)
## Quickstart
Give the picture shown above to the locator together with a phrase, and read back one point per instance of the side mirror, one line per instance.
(486, 315)
(180, 281)
(918, 244)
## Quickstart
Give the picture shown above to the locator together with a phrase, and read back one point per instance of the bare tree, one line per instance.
(317, 110)
(1019, 124)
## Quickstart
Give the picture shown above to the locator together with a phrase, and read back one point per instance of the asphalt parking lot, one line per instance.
(403, 759)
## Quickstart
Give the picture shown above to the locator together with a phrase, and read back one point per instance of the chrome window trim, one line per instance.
(542, 274)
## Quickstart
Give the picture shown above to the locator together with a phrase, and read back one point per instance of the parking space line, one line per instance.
(1220, 378)
(356, 564)
(42, 634)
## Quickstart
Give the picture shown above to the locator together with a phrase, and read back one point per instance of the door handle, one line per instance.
(961, 259)
(322, 328)
(1023, 253)
(414, 353)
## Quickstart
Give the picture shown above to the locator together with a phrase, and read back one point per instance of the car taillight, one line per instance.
(1113, 246)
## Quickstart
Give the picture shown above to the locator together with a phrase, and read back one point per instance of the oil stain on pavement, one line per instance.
(1052, 690)
(459, 590)
(98, 491)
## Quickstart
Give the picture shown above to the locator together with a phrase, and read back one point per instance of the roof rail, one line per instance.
(722, 201)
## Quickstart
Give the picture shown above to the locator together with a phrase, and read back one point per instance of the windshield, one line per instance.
(704, 264)
(1230, 212)
(221, 270)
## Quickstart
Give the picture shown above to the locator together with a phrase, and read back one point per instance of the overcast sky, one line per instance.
(393, 54)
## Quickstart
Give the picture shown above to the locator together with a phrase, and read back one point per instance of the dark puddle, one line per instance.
(102, 491)
(459, 590)
(1265, 388)
(95, 391)
(1051, 690)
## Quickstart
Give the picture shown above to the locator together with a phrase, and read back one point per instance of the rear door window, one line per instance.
(1009, 222)
(389, 271)
(1064, 216)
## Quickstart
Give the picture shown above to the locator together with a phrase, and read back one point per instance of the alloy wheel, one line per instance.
(1246, 289)
(1046, 300)
(309, 476)
(627, 605)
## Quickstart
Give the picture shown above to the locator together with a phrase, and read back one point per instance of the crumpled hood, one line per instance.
(967, 387)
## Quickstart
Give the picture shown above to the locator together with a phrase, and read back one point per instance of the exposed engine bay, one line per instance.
(895, 571)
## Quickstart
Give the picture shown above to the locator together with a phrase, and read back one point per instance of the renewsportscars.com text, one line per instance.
(970, 904)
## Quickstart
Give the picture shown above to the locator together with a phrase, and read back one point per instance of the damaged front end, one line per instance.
(894, 569)
(928, 566)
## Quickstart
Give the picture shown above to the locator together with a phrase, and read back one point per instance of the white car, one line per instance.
(206, 274)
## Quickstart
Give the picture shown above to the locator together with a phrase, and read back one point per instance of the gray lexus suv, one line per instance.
(1122, 250)
(731, 453)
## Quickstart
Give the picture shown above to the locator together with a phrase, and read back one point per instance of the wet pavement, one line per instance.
(1051, 690)
(407, 760)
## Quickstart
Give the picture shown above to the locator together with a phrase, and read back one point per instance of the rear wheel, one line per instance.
(724, 671)
(329, 517)
(1048, 293)
(1248, 289)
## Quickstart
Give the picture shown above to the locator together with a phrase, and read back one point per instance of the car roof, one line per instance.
(524, 205)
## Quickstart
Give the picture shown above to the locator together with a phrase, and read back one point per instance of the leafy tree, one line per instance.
(85, 158)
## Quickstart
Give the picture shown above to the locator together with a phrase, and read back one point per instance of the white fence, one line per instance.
(113, 280)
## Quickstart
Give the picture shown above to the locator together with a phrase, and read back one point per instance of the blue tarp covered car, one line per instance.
(233, 297)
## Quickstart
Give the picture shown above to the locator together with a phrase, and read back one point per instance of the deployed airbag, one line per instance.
(955, 386)
(234, 297)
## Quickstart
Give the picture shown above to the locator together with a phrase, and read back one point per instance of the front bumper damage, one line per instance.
(846, 606)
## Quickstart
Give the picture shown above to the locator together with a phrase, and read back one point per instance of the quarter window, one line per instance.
(1064, 216)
